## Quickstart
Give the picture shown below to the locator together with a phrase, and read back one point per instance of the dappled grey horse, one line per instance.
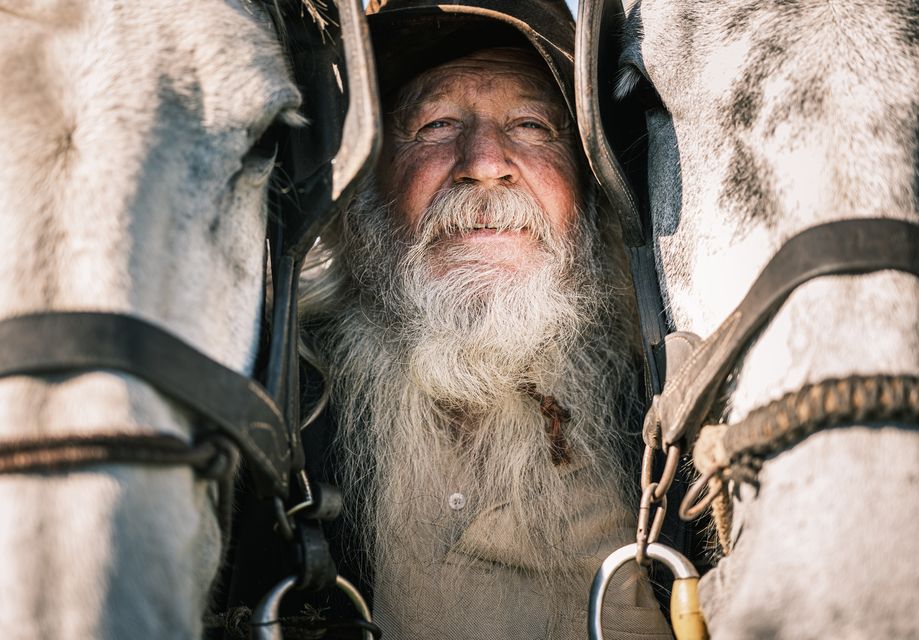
(133, 220)
(764, 120)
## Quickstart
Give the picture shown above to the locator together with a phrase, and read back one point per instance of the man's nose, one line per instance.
(484, 156)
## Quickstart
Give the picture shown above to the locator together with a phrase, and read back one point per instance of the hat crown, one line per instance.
(410, 36)
(529, 11)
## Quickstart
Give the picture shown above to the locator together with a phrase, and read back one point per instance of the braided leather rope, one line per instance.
(737, 451)
(215, 458)
(73, 452)
(784, 422)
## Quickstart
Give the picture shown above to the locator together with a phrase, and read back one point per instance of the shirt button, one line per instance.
(456, 501)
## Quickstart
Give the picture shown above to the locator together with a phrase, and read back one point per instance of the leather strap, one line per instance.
(650, 316)
(593, 99)
(845, 247)
(596, 62)
(54, 455)
(230, 403)
(591, 92)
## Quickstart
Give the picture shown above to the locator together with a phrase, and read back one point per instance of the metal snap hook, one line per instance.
(685, 614)
(265, 624)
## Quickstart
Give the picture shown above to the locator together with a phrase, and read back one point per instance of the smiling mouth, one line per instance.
(488, 233)
(476, 227)
(491, 228)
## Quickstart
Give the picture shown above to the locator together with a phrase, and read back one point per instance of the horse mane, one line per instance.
(283, 11)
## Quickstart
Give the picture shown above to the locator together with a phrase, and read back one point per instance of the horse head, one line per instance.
(765, 120)
(135, 163)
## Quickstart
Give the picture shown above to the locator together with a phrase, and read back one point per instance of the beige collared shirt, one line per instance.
(475, 584)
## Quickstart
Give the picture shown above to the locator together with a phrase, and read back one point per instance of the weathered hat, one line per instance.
(410, 36)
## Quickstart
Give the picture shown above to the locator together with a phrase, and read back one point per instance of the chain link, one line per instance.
(653, 494)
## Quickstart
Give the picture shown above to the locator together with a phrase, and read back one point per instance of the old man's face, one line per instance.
(494, 120)
(467, 273)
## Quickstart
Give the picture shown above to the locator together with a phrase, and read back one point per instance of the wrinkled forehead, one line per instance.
(519, 70)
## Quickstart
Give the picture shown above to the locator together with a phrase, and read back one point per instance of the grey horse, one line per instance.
(771, 118)
(132, 182)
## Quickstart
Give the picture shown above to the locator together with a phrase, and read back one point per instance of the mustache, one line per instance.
(466, 207)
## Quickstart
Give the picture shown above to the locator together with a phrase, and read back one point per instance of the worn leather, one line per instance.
(845, 247)
(410, 36)
(597, 114)
(229, 403)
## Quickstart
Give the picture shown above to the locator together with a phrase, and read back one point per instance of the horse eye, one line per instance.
(632, 84)
(647, 96)
(266, 146)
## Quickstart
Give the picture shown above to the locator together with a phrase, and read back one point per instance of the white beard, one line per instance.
(428, 373)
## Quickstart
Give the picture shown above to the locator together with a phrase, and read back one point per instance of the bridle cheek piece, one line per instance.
(844, 247)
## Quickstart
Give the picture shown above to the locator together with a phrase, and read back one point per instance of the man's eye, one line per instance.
(438, 130)
(532, 130)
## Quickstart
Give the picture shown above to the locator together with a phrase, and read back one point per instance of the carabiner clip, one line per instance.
(685, 614)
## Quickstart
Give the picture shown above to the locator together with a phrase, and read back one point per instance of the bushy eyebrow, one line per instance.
(424, 88)
(416, 97)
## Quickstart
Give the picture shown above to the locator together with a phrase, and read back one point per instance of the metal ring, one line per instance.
(282, 522)
(658, 522)
(693, 504)
(674, 560)
(669, 473)
(647, 460)
(645, 534)
(264, 621)
(644, 510)
(297, 508)
(308, 498)
(357, 600)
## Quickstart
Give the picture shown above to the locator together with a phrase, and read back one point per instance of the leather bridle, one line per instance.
(234, 415)
(233, 412)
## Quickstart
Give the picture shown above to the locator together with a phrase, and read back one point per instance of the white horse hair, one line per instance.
(126, 186)
(779, 116)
